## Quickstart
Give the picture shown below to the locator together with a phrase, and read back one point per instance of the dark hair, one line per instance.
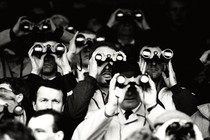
(104, 44)
(59, 119)
(15, 130)
(49, 84)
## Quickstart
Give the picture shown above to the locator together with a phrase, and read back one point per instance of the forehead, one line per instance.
(152, 49)
(89, 35)
(44, 122)
(48, 42)
(105, 50)
(50, 93)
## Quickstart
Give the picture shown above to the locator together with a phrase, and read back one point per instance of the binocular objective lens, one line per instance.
(100, 39)
(138, 15)
(120, 14)
(146, 53)
(168, 54)
(144, 79)
(120, 79)
(98, 57)
(119, 57)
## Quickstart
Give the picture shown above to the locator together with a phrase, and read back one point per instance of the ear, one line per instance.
(34, 105)
(62, 109)
(19, 97)
(59, 135)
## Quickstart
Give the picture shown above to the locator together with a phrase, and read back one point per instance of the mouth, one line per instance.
(107, 75)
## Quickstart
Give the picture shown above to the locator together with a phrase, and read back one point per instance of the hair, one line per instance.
(104, 44)
(15, 130)
(59, 119)
(49, 84)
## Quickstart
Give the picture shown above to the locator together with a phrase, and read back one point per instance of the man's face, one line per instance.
(42, 127)
(84, 54)
(105, 70)
(154, 66)
(7, 100)
(49, 65)
(132, 98)
(49, 98)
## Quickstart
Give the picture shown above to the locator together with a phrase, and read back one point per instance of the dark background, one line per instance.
(79, 11)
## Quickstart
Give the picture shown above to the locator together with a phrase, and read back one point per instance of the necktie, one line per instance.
(128, 113)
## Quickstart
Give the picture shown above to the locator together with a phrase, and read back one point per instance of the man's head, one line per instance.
(107, 52)
(48, 96)
(84, 41)
(10, 100)
(131, 72)
(156, 60)
(15, 130)
(47, 125)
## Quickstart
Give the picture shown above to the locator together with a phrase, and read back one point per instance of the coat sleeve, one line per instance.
(184, 99)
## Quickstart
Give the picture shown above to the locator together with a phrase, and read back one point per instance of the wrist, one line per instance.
(12, 34)
(109, 110)
(151, 107)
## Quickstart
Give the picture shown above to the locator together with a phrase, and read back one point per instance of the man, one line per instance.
(129, 107)
(96, 84)
(170, 95)
(47, 125)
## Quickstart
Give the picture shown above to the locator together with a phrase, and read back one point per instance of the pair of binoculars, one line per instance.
(100, 58)
(122, 16)
(81, 41)
(122, 81)
(27, 25)
(165, 55)
(181, 130)
(18, 110)
(39, 49)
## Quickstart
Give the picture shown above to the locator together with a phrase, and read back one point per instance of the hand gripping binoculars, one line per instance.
(135, 15)
(81, 41)
(40, 49)
(28, 26)
(122, 81)
(164, 56)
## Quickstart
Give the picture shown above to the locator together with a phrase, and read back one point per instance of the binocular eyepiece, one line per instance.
(122, 81)
(165, 55)
(39, 50)
(121, 16)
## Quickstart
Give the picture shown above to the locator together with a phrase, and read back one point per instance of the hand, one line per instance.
(72, 50)
(37, 63)
(142, 65)
(171, 79)
(17, 28)
(116, 95)
(112, 21)
(63, 62)
(148, 94)
(204, 58)
(143, 23)
(93, 66)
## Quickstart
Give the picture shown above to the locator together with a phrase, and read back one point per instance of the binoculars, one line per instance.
(39, 49)
(18, 110)
(183, 130)
(28, 26)
(122, 81)
(102, 58)
(165, 55)
(122, 16)
(81, 41)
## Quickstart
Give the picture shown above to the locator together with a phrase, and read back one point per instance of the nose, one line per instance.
(49, 105)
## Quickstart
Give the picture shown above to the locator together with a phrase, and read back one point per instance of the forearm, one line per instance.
(184, 99)
(5, 37)
(94, 127)
(77, 103)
